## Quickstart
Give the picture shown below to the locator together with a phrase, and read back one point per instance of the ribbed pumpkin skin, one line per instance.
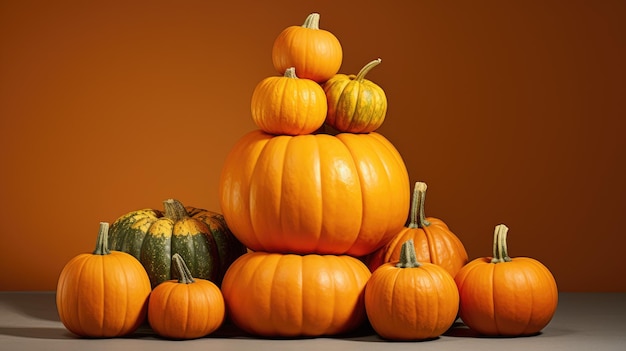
(288, 105)
(186, 308)
(411, 303)
(102, 295)
(343, 194)
(275, 295)
(354, 106)
(201, 237)
(315, 53)
(504, 296)
(506, 299)
(434, 241)
(433, 244)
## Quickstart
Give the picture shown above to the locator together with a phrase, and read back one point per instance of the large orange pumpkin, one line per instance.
(103, 294)
(343, 194)
(506, 296)
(315, 53)
(434, 241)
(276, 295)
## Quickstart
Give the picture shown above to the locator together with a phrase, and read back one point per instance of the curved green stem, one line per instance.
(408, 258)
(312, 21)
(361, 75)
(102, 243)
(500, 250)
(174, 210)
(184, 273)
(417, 218)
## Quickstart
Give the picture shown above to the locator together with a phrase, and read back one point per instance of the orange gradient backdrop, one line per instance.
(512, 112)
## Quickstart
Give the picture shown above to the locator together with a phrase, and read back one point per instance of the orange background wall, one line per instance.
(511, 111)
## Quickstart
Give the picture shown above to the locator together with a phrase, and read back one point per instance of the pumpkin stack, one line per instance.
(305, 202)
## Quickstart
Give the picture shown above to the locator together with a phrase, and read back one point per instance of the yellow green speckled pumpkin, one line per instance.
(200, 237)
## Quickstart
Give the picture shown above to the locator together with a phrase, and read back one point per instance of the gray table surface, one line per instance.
(583, 321)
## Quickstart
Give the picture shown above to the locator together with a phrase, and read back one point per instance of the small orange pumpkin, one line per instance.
(409, 300)
(103, 294)
(355, 104)
(434, 241)
(288, 104)
(315, 53)
(276, 295)
(503, 296)
(186, 308)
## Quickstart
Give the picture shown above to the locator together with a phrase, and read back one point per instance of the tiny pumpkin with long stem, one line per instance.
(504, 296)
(434, 241)
(187, 308)
(409, 300)
(288, 105)
(355, 104)
(103, 294)
(315, 53)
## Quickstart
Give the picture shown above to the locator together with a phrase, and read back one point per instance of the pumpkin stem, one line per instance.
(290, 72)
(102, 243)
(417, 217)
(312, 21)
(361, 75)
(174, 210)
(183, 271)
(500, 250)
(408, 258)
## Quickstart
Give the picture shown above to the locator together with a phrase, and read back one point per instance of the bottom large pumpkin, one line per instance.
(288, 295)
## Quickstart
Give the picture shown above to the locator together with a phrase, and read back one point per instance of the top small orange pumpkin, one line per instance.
(315, 53)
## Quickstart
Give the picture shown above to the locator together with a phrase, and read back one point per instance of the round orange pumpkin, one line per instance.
(434, 241)
(409, 300)
(186, 308)
(355, 104)
(315, 53)
(288, 104)
(504, 296)
(103, 294)
(343, 194)
(276, 295)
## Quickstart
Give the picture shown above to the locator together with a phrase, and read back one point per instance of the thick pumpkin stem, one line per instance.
(290, 73)
(500, 250)
(102, 243)
(408, 258)
(184, 274)
(361, 75)
(312, 21)
(417, 218)
(175, 210)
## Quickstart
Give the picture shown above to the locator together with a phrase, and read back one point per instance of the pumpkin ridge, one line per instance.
(359, 178)
(532, 298)
(492, 293)
(542, 270)
(322, 187)
(124, 325)
(82, 259)
(271, 294)
(376, 145)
